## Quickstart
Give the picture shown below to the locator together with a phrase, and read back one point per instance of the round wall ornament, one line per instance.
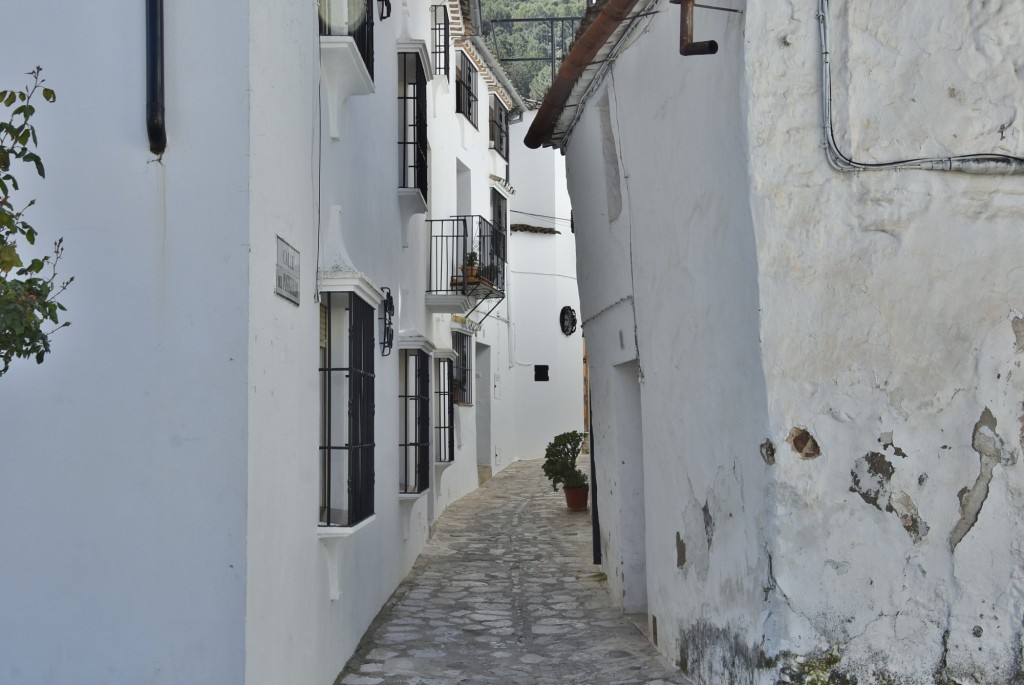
(567, 320)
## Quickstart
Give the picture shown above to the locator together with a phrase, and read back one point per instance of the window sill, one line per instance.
(328, 532)
(411, 496)
(334, 538)
(346, 74)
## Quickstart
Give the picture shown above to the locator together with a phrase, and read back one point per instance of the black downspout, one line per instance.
(595, 521)
(155, 76)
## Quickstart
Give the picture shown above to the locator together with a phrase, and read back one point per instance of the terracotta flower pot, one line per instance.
(576, 498)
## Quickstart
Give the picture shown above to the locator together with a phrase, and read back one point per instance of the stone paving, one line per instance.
(505, 592)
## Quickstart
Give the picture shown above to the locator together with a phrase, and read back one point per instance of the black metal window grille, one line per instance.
(350, 18)
(347, 409)
(465, 88)
(499, 216)
(499, 127)
(445, 417)
(412, 119)
(415, 416)
(442, 38)
(462, 369)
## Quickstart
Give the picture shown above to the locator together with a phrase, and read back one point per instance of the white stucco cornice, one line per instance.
(419, 47)
(414, 340)
(446, 353)
(345, 279)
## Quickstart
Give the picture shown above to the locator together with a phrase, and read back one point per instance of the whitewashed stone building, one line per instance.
(279, 372)
(805, 328)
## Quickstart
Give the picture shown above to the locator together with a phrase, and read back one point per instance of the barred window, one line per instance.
(412, 121)
(346, 409)
(445, 418)
(442, 36)
(499, 127)
(414, 448)
(462, 369)
(465, 88)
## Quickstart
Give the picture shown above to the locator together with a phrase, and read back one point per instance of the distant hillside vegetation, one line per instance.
(531, 79)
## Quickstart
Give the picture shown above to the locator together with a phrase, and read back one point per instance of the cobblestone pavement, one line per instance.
(505, 592)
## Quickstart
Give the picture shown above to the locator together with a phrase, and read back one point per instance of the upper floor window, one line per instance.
(350, 18)
(442, 37)
(499, 127)
(412, 121)
(346, 409)
(465, 88)
(499, 213)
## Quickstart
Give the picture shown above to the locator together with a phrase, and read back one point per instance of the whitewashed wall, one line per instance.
(668, 281)
(123, 463)
(186, 390)
(879, 311)
(542, 280)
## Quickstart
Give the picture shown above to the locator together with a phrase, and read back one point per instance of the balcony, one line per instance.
(467, 264)
(346, 52)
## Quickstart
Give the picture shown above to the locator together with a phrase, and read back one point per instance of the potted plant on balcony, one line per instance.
(490, 273)
(560, 468)
(469, 265)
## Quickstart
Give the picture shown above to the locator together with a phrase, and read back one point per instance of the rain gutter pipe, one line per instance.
(155, 127)
(579, 58)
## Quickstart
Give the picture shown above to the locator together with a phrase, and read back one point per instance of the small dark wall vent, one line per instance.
(540, 372)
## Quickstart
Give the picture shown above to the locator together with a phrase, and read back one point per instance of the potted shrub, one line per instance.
(560, 468)
(469, 267)
(490, 273)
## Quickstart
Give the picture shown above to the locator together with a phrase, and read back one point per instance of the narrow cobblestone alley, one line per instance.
(505, 592)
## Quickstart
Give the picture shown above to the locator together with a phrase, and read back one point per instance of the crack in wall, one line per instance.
(991, 452)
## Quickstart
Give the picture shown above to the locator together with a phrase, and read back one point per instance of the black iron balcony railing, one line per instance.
(350, 18)
(467, 257)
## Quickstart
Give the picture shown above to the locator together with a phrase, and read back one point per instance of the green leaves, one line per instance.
(29, 310)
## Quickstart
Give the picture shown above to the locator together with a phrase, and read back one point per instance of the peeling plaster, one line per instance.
(803, 443)
(709, 525)
(871, 475)
(1017, 323)
(768, 447)
(991, 451)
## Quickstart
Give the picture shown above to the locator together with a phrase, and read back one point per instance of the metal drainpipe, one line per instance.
(578, 59)
(595, 521)
(155, 76)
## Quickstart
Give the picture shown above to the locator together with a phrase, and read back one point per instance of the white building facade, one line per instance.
(279, 371)
(805, 375)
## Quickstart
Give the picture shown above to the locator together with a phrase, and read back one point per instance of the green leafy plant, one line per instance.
(560, 461)
(29, 310)
(490, 272)
(471, 259)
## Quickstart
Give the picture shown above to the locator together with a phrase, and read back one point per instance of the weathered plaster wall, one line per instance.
(891, 304)
(123, 457)
(662, 218)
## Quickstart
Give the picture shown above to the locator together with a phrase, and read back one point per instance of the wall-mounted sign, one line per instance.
(287, 272)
